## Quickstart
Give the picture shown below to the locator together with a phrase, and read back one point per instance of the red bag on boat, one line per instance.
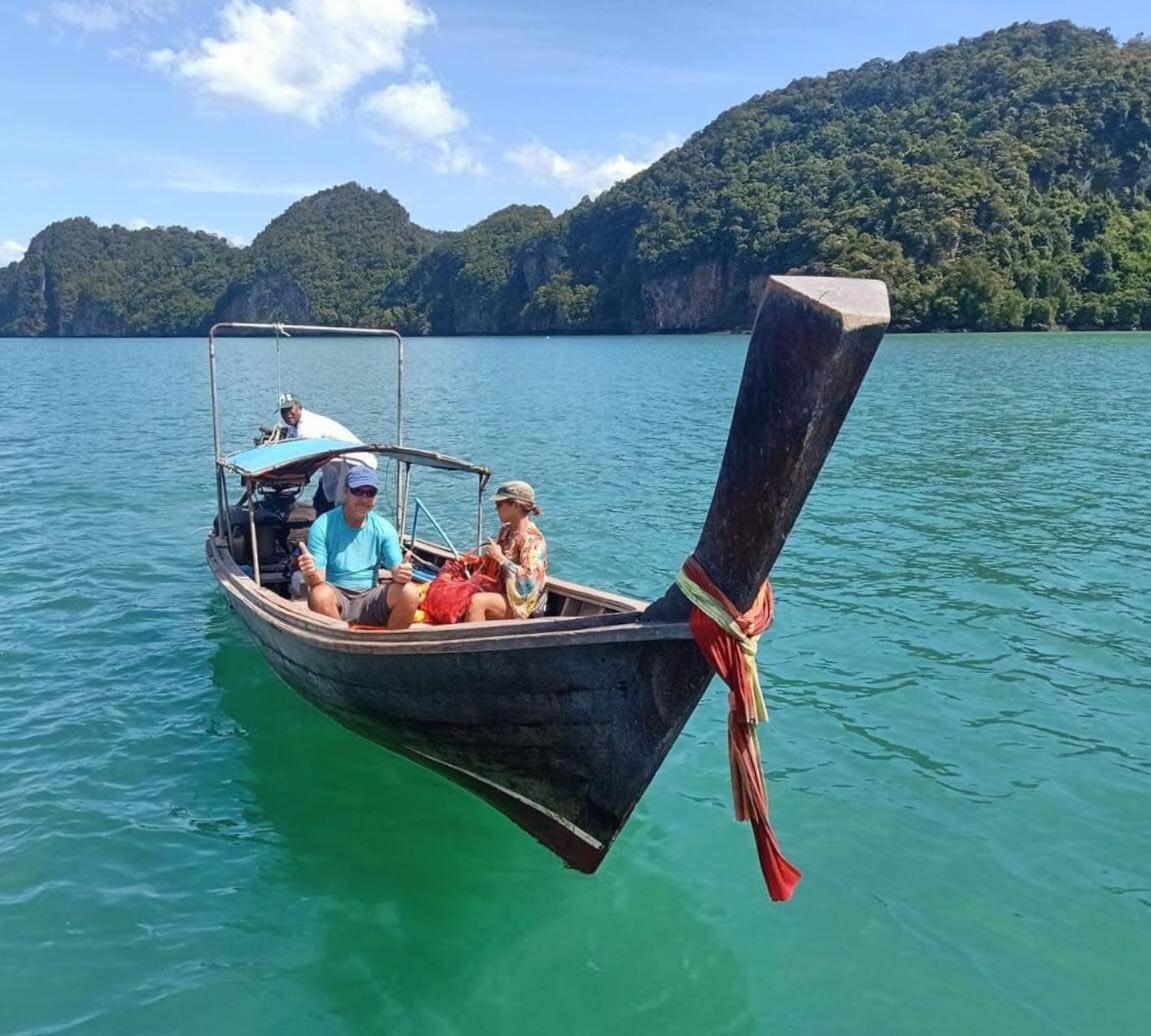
(458, 582)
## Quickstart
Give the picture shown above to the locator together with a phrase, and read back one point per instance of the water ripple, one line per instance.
(957, 755)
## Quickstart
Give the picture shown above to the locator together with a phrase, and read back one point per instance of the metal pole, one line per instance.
(215, 400)
(401, 472)
(222, 486)
(252, 534)
(399, 495)
(399, 390)
(415, 522)
(480, 517)
(444, 537)
(220, 511)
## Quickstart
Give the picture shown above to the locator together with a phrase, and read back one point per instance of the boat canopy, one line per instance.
(304, 456)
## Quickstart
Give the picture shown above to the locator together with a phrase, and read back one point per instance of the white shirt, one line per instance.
(317, 426)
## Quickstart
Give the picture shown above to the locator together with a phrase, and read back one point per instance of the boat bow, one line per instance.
(812, 344)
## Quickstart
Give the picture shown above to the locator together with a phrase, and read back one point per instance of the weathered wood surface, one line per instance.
(813, 341)
(562, 732)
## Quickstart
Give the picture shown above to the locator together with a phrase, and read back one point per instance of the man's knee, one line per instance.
(403, 594)
(323, 599)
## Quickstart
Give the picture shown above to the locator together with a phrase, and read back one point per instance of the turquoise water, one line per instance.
(959, 755)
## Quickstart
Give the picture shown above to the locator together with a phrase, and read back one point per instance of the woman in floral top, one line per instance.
(521, 552)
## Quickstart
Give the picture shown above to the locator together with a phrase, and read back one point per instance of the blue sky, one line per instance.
(217, 114)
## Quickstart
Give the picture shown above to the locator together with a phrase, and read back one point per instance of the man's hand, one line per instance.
(308, 567)
(402, 573)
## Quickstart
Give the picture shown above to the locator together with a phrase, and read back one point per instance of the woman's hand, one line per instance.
(494, 550)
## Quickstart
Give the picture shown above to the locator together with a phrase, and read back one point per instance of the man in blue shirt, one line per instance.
(346, 547)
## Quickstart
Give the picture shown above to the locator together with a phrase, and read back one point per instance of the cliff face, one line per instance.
(479, 280)
(487, 309)
(94, 318)
(266, 298)
(42, 305)
(24, 310)
(709, 295)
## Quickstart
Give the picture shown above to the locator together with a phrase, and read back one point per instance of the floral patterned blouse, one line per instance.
(526, 570)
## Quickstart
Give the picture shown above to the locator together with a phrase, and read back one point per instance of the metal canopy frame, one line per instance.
(405, 457)
(277, 329)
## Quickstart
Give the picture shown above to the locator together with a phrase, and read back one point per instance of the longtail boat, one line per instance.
(559, 722)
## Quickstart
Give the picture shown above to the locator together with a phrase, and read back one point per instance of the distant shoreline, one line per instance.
(202, 335)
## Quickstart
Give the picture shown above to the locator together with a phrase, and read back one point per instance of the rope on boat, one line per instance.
(729, 640)
(280, 330)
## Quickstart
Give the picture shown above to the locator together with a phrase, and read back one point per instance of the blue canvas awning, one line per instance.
(259, 460)
(304, 456)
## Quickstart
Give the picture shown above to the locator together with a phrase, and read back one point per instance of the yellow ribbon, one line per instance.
(718, 614)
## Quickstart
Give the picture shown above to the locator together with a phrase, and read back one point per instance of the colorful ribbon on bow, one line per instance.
(729, 641)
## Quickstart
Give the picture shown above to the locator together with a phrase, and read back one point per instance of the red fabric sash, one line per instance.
(749, 791)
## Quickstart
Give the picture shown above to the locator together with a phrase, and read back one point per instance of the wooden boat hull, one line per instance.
(561, 730)
(561, 723)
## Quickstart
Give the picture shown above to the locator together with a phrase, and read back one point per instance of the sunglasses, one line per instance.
(363, 491)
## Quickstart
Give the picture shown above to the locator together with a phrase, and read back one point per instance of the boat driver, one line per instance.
(307, 424)
(346, 547)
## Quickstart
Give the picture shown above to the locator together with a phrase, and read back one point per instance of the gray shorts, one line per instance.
(364, 607)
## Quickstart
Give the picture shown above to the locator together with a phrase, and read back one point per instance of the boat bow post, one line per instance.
(812, 344)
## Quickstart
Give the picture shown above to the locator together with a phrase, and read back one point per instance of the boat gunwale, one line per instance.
(497, 635)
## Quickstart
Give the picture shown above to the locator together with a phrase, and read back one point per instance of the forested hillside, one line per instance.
(77, 277)
(334, 257)
(1000, 183)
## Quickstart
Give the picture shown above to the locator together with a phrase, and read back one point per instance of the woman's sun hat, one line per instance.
(520, 492)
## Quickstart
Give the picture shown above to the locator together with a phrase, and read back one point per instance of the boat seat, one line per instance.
(573, 606)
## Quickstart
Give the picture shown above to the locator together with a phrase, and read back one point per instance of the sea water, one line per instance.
(958, 757)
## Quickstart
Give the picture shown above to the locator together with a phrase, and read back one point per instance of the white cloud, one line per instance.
(140, 224)
(300, 59)
(238, 240)
(448, 157)
(11, 251)
(418, 120)
(419, 111)
(580, 171)
(106, 15)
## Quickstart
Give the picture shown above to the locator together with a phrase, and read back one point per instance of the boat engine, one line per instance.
(282, 521)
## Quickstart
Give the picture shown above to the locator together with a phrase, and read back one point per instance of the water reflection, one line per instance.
(424, 909)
